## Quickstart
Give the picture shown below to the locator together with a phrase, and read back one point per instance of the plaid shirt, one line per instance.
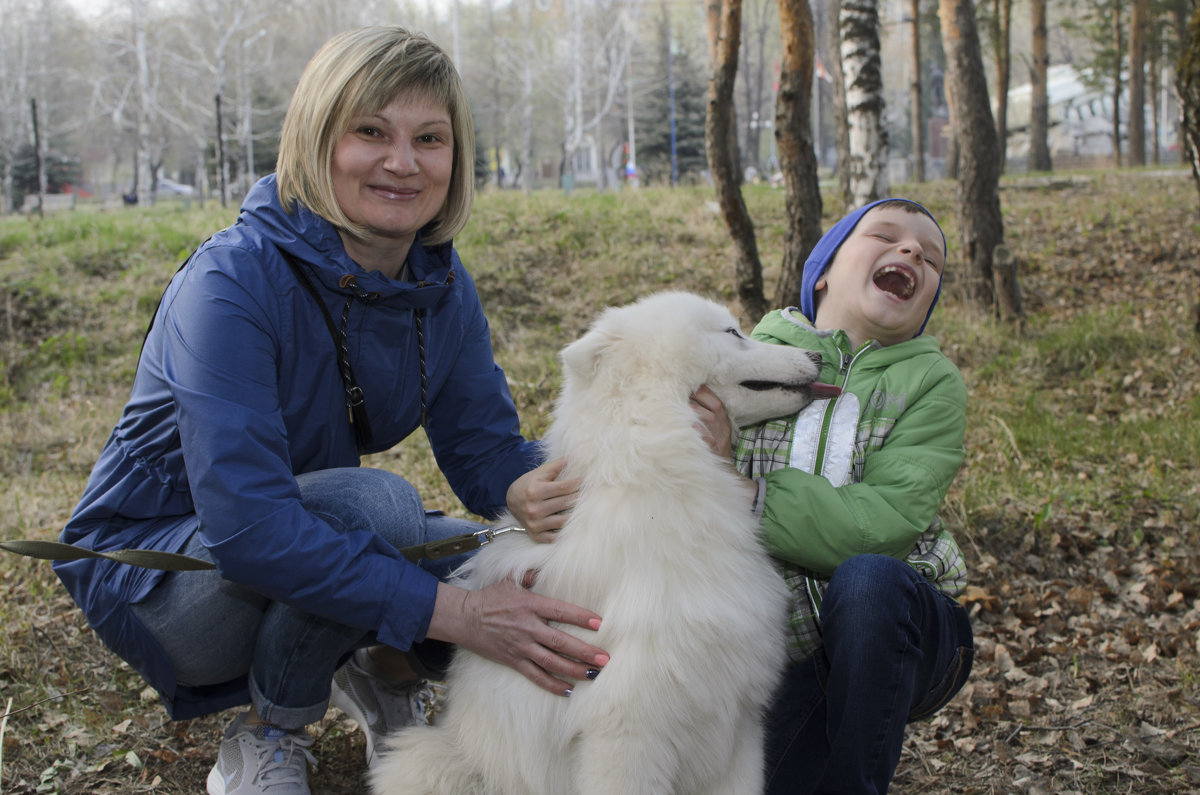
(764, 448)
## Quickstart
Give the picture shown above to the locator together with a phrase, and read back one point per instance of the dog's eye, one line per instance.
(735, 332)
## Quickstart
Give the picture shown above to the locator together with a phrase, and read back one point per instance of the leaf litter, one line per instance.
(1086, 676)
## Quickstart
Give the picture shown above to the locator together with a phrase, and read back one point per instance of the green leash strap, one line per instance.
(146, 558)
(172, 561)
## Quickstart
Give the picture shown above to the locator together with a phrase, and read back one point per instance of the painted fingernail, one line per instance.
(592, 673)
(568, 692)
(602, 660)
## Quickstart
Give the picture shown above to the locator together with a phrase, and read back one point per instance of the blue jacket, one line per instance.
(237, 391)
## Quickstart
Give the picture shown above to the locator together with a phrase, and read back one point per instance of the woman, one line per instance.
(252, 403)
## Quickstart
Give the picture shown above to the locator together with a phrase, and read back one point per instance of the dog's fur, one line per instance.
(663, 546)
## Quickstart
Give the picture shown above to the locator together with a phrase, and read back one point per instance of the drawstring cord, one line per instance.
(356, 399)
(419, 316)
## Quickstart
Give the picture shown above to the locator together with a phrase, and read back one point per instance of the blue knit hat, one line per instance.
(823, 253)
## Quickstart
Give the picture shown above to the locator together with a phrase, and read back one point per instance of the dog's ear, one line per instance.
(581, 359)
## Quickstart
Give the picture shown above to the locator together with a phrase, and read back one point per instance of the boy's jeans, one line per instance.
(215, 631)
(895, 650)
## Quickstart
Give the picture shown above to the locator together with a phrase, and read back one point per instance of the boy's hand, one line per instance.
(717, 431)
(714, 425)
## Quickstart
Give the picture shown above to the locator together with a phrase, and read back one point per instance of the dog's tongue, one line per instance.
(819, 390)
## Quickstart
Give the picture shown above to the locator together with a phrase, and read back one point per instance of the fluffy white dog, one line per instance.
(663, 546)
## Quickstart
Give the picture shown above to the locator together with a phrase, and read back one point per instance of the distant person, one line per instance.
(250, 409)
(848, 491)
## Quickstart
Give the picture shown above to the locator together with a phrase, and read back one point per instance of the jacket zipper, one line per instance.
(827, 420)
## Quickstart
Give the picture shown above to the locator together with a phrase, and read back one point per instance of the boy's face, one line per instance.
(883, 278)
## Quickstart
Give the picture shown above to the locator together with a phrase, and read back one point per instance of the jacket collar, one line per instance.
(314, 240)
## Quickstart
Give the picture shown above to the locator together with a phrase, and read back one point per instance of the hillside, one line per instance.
(1078, 507)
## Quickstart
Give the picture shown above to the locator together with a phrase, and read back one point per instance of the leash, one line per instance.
(174, 561)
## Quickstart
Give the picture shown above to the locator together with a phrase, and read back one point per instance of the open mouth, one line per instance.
(816, 389)
(896, 280)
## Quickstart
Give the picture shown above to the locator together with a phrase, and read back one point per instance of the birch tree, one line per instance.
(1187, 84)
(754, 80)
(867, 166)
(604, 58)
(833, 44)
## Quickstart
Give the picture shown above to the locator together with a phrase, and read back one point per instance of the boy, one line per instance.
(848, 492)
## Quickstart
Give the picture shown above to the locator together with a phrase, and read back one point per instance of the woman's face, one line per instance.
(391, 170)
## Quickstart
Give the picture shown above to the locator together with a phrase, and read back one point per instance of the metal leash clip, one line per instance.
(488, 534)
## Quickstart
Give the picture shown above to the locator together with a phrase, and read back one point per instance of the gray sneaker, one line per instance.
(378, 706)
(261, 759)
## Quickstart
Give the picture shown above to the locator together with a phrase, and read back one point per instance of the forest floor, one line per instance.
(1087, 668)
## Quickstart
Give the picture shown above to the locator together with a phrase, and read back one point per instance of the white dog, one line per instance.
(662, 544)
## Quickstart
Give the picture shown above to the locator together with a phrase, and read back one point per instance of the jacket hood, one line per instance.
(310, 238)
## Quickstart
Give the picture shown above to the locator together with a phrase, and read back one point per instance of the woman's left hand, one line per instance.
(540, 502)
(713, 423)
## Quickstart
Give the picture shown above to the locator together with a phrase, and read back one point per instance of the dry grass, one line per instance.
(1084, 439)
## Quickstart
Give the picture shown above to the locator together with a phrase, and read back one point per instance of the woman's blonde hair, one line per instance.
(358, 73)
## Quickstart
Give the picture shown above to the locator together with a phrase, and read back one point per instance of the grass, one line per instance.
(1088, 421)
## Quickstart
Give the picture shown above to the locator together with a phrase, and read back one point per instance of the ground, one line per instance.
(1087, 632)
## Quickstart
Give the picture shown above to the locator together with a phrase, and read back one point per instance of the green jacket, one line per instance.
(886, 452)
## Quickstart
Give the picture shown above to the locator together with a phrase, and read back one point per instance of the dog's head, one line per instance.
(677, 342)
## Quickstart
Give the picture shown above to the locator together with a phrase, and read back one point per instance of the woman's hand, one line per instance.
(508, 624)
(541, 502)
(714, 425)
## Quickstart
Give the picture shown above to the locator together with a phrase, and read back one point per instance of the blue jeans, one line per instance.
(217, 631)
(894, 650)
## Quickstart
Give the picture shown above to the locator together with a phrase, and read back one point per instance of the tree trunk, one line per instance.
(39, 163)
(724, 30)
(859, 21)
(1116, 86)
(1039, 123)
(142, 169)
(1155, 89)
(1000, 51)
(914, 96)
(527, 105)
(1137, 83)
(841, 126)
(981, 225)
(1187, 84)
(793, 134)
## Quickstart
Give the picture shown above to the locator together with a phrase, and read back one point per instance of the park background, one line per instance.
(1079, 501)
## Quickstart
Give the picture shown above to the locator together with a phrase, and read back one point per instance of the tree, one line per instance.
(1137, 83)
(793, 133)
(1001, 27)
(917, 122)
(671, 115)
(1039, 122)
(1187, 83)
(833, 43)
(724, 20)
(863, 77)
(981, 225)
(754, 63)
